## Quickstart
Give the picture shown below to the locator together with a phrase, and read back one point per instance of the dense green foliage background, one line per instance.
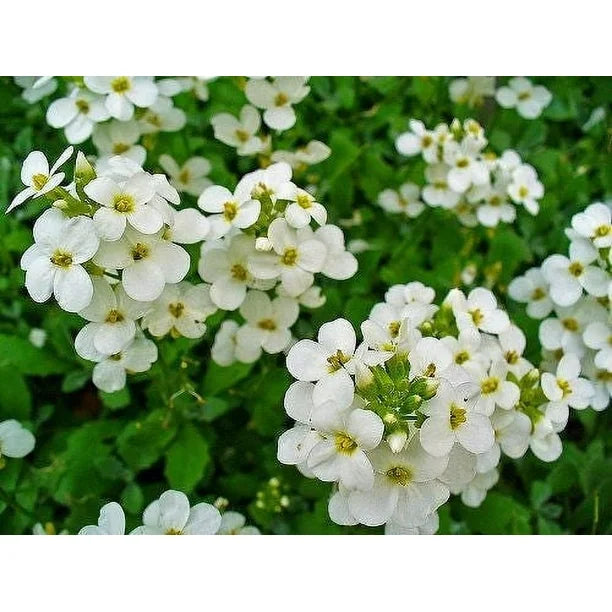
(130, 446)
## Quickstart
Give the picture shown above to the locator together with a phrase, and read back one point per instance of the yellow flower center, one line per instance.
(140, 251)
(120, 147)
(457, 416)
(462, 357)
(304, 200)
(184, 176)
(173, 532)
(242, 135)
(603, 230)
(120, 84)
(476, 315)
(82, 105)
(511, 357)
(337, 360)
(39, 181)
(238, 272)
(394, 328)
(462, 162)
(114, 316)
(564, 386)
(230, 210)
(523, 191)
(281, 99)
(289, 257)
(124, 203)
(576, 268)
(489, 385)
(176, 309)
(570, 324)
(430, 370)
(399, 475)
(524, 95)
(267, 324)
(62, 259)
(537, 294)
(344, 443)
(426, 141)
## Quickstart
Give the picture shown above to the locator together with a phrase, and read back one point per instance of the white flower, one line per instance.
(339, 263)
(401, 295)
(525, 188)
(225, 265)
(120, 138)
(495, 390)
(532, 288)
(405, 491)
(109, 374)
(171, 515)
(595, 224)
(340, 456)
(451, 419)
(296, 257)
(187, 226)
(545, 443)
(77, 114)
(437, 192)
(429, 527)
(181, 309)
(566, 386)
(191, 177)
(264, 183)
(475, 492)
(147, 262)
(478, 311)
(467, 351)
(239, 133)
(406, 200)
(37, 337)
(162, 116)
(313, 153)
(35, 88)
(15, 440)
(494, 206)
(512, 432)
(233, 523)
(122, 93)
(122, 204)
(276, 98)
(37, 177)
(225, 349)
(513, 342)
(302, 208)
(110, 522)
(418, 140)
(520, 93)
(566, 330)
(112, 314)
(471, 90)
(326, 361)
(429, 358)
(598, 336)
(569, 276)
(465, 169)
(53, 262)
(267, 321)
(231, 211)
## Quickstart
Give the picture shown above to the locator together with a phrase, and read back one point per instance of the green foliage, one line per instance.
(211, 431)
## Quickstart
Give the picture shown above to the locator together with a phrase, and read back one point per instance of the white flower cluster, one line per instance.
(115, 110)
(422, 408)
(171, 514)
(108, 249)
(477, 186)
(260, 240)
(577, 290)
(471, 90)
(276, 98)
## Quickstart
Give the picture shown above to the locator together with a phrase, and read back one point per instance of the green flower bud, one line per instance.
(83, 171)
(425, 387)
(412, 403)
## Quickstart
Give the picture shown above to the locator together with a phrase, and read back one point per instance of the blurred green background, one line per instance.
(130, 446)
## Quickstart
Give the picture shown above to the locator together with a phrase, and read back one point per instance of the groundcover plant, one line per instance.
(305, 305)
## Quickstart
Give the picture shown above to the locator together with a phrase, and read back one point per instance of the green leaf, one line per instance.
(187, 459)
(28, 359)
(219, 378)
(15, 396)
(498, 514)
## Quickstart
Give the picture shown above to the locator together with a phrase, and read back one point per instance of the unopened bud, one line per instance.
(363, 376)
(411, 404)
(425, 387)
(531, 378)
(83, 171)
(61, 204)
(397, 440)
(263, 244)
